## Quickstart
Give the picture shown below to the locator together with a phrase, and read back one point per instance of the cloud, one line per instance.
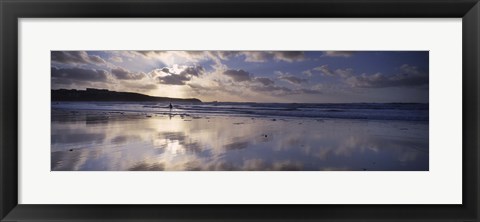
(263, 85)
(70, 57)
(176, 57)
(290, 78)
(408, 69)
(196, 53)
(308, 91)
(121, 73)
(293, 79)
(225, 55)
(193, 70)
(264, 81)
(117, 59)
(177, 75)
(282, 90)
(150, 53)
(326, 71)
(408, 76)
(165, 70)
(241, 85)
(166, 57)
(238, 75)
(344, 54)
(173, 79)
(289, 56)
(257, 56)
(308, 72)
(96, 59)
(344, 73)
(73, 57)
(271, 89)
(263, 56)
(245, 85)
(171, 58)
(69, 75)
(208, 88)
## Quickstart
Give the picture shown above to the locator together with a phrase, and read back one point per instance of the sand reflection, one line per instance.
(132, 141)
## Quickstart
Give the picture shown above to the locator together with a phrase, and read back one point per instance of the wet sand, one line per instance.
(122, 141)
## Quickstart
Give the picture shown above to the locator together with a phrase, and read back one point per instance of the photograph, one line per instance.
(128, 110)
(278, 110)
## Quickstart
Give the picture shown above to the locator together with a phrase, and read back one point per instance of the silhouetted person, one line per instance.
(171, 107)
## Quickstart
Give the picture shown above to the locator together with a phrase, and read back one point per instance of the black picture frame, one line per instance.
(12, 10)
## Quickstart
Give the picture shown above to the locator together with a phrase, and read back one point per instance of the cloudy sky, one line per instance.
(250, 76)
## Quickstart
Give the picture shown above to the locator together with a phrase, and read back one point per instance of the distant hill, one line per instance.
(91, 94)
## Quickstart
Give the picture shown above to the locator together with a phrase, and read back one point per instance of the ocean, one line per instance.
(368, 111)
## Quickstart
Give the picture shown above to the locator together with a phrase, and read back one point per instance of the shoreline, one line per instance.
(183, 113)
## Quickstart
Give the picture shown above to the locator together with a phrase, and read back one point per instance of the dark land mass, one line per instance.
(91, 94)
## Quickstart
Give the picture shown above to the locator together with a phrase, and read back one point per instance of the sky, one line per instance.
(250, 76)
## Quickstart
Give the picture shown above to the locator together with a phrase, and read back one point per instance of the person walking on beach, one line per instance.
(170, 106)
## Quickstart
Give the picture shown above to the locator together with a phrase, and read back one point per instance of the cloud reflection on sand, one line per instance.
(108, 141)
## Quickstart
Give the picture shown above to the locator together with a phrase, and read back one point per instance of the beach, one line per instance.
(157, 139)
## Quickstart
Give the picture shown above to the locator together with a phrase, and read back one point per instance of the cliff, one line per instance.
(105, 95)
